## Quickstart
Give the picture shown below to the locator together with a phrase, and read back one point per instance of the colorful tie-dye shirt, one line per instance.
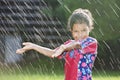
(79, 62)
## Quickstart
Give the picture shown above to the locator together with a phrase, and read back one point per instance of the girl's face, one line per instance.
(80, 31)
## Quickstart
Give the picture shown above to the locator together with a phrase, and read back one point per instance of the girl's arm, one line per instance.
(91, 47)
(30, 46)
(67, 47)
(72, 45)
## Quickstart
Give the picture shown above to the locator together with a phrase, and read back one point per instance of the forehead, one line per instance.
(79, 26)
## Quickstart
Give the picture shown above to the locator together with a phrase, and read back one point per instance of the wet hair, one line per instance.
(80, 16)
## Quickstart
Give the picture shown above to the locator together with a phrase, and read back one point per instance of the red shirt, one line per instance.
(79, 62)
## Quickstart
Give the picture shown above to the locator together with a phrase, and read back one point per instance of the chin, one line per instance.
(76, 39)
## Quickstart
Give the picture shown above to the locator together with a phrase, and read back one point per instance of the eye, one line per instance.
(83, 30)
(75, 31)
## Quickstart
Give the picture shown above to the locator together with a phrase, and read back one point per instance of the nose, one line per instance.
(76, 36)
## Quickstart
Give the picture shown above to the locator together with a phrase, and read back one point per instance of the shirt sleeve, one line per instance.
(89, 46)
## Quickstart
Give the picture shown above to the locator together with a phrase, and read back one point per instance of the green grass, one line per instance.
(106, 75)
(40, 72)
(50, 77)
(36, 74)
(30, 77)
(47, 77)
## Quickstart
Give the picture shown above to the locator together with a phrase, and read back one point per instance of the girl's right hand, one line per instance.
(27, 46)
(59, 51)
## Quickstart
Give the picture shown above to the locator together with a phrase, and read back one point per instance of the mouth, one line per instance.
(76, 39)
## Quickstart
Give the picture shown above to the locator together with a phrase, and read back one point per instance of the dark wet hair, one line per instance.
(80, 16)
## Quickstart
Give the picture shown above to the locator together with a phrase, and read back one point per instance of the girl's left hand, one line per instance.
(27, 46)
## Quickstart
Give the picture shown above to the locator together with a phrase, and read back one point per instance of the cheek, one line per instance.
(73, 35)
(85, 33)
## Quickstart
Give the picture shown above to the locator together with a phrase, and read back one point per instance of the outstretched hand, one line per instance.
(27, 46)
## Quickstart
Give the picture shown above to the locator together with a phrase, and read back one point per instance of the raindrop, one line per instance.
(99, 2)
(97, 12)
(114, 10)
(117, 6)
(106, 13)
(67, 9)
(108, 48)
(101, 32)
(111, 27)
(89, 1)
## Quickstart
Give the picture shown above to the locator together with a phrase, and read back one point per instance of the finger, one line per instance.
(26, 43)
(20, 51)
(59, 52)
(25, 48)
(56, 54)
(53, 56)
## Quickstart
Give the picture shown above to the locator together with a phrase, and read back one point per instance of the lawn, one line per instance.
(33, 71)
(106, 75)
(49, 77)
(29, 74)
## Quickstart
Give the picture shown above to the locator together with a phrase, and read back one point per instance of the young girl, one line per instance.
(79, 54)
